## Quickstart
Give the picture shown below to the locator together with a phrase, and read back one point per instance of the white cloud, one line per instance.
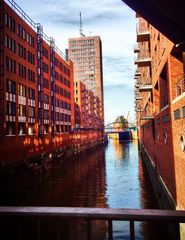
(112, 20)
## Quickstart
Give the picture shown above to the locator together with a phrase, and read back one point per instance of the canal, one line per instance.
(112, 176)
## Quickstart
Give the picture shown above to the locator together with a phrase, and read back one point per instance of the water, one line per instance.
(113, 177)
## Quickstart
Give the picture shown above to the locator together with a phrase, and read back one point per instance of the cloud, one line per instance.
(113, 21)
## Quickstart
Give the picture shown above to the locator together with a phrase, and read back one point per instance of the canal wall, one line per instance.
(162, 194)
(33, 154)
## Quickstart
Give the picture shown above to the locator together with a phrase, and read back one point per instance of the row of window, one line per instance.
(11, 110)
(58, 103)
(31, 75)
(58, 116)
(11, 44)
(22, 33)
(11, 128)
(62, 117)
(62, 79)
(10, 65)
(59, 65)
(11, 88)
(11, 24)
(62, 92)
(61, 104)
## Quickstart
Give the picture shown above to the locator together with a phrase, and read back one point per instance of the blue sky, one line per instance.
(115, 23)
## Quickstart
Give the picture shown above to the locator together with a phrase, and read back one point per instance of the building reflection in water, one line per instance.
(113, 177)
(76, 183)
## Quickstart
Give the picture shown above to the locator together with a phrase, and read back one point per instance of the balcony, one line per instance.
(145, 88)
(138, 98)
(137, 74)
(136, 49)
(180, 86)
(147, 117)
(143, 59)
(39, 214)
(139, 110)
(137, 85)
(143, 33)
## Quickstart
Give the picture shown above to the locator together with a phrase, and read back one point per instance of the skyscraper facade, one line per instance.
(86, 54)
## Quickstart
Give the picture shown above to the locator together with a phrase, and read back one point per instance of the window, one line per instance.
(45, 52)
(46, 114)
(46, 83)
(10, 86)
(21, 128)
(46, 99)
(10, 65)
(31, 112)
(21, 110)
(21, 90)
(45, 68)
(10, 108)
(31, 129)
(31, 75)
(22, 71)
(10, 22)
(183, 112)
(21, 51)
(31, 93)
(31, 58)
(10, 43)
(10, 128)
(177, 114)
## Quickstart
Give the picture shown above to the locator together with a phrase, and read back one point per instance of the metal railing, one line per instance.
(15, 7)
(180, 86)
(89, 214)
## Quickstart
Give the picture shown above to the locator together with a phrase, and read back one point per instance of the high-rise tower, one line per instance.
(86, 54)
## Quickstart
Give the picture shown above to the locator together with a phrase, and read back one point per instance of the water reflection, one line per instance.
(111, 177)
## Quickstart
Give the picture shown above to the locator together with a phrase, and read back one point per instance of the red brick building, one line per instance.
(87, 108)
(36, 91)
(160, 112)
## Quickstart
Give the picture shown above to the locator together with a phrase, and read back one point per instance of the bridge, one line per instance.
(109, 127)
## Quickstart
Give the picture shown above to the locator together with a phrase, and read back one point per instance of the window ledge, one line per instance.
(178, 98)
(162, 109)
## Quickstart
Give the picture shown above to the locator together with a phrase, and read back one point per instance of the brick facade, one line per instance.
(160, 110)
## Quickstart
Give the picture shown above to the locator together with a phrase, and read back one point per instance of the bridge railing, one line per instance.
(88, 214)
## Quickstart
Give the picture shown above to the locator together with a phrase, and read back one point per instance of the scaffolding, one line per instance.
(2, 69)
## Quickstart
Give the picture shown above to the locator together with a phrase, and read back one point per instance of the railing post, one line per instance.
(132, 233)
(38, 229)
(88, 230)
(110, 229)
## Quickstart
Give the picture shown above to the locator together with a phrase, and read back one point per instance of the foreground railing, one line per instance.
(90, 214)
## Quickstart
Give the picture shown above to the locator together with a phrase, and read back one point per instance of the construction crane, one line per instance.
(128, 115)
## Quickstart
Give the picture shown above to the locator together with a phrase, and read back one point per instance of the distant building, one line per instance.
(87, 108)
(86, 54)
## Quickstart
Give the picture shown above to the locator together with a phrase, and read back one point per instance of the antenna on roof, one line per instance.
(81, 29)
